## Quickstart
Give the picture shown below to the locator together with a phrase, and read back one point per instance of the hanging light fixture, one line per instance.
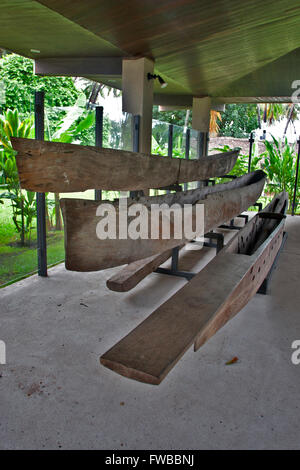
(152, 76)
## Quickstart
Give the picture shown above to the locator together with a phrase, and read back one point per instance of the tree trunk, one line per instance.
(58, 221)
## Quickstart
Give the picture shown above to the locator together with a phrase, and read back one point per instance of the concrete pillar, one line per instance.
(137, 96)
(201, 114)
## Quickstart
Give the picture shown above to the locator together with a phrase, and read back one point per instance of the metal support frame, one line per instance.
(214, 236)
(135, 143)
(231, 226)
(170, 145)
(170, 140)
(201, 150)
(212, 182)
(251, 141)
(99, 140)
(39, 110)
(206, 143)
(174, 267)
(171, 187)
(294, 205)
(173, 271)
(187, 151)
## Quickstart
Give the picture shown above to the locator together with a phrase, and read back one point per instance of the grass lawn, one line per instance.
(17, 261)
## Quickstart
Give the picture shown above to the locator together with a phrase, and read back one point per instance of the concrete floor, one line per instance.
(55, 394)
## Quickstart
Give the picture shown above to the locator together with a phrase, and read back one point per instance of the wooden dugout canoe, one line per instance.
(60, 168)
(198, 310)
(86, 252)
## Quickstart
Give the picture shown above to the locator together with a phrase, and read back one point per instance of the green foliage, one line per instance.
(160, 137)
(74, 122)
(20, 82)
(238, 120)
(241, 166)
(22, 202)
(172, 117)
(280, 166)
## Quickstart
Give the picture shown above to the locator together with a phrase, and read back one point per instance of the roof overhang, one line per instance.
(232, 51)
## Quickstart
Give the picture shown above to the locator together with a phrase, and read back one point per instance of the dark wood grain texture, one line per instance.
(58, 167)
(203, 305)
(86, 252)
(135, 272)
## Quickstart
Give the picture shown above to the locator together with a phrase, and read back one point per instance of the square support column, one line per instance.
(137, 96)
(201, 114)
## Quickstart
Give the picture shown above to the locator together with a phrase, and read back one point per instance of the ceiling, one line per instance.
(231, 50)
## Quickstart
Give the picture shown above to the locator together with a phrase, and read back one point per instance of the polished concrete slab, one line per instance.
(54, 394)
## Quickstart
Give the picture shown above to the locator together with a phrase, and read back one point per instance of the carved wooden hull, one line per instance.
(205, 304)
(86, 252)
(60, 168)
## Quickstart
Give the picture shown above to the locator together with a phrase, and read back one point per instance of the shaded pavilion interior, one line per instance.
(210, 54)
(226, 49)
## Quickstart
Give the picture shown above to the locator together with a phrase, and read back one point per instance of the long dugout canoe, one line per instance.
(86, 252)
(61, 168)
(198, 310)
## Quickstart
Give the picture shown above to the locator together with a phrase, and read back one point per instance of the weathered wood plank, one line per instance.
(199, 309)
(86, 252)
(135, 272)
(60, 168)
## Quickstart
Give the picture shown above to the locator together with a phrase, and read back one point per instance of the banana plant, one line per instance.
(241, 166)
(68, 131)
(280, 166)
(74, 122)
(22, 202)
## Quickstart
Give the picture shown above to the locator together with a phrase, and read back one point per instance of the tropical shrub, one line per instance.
(280, 166)
(22, 202)
(241, 166)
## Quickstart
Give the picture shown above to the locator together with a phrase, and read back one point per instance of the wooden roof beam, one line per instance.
(79, 66)
(169, 102)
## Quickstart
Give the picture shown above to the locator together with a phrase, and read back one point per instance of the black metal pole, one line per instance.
(296, 179)
(40, 197)
(170, 145)
(136, 132)
(251, 140)
(170, 140)
(206, 143)
(187, 150)
(200, 144)
(135, 141)
(99, 140)
(201, 149)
